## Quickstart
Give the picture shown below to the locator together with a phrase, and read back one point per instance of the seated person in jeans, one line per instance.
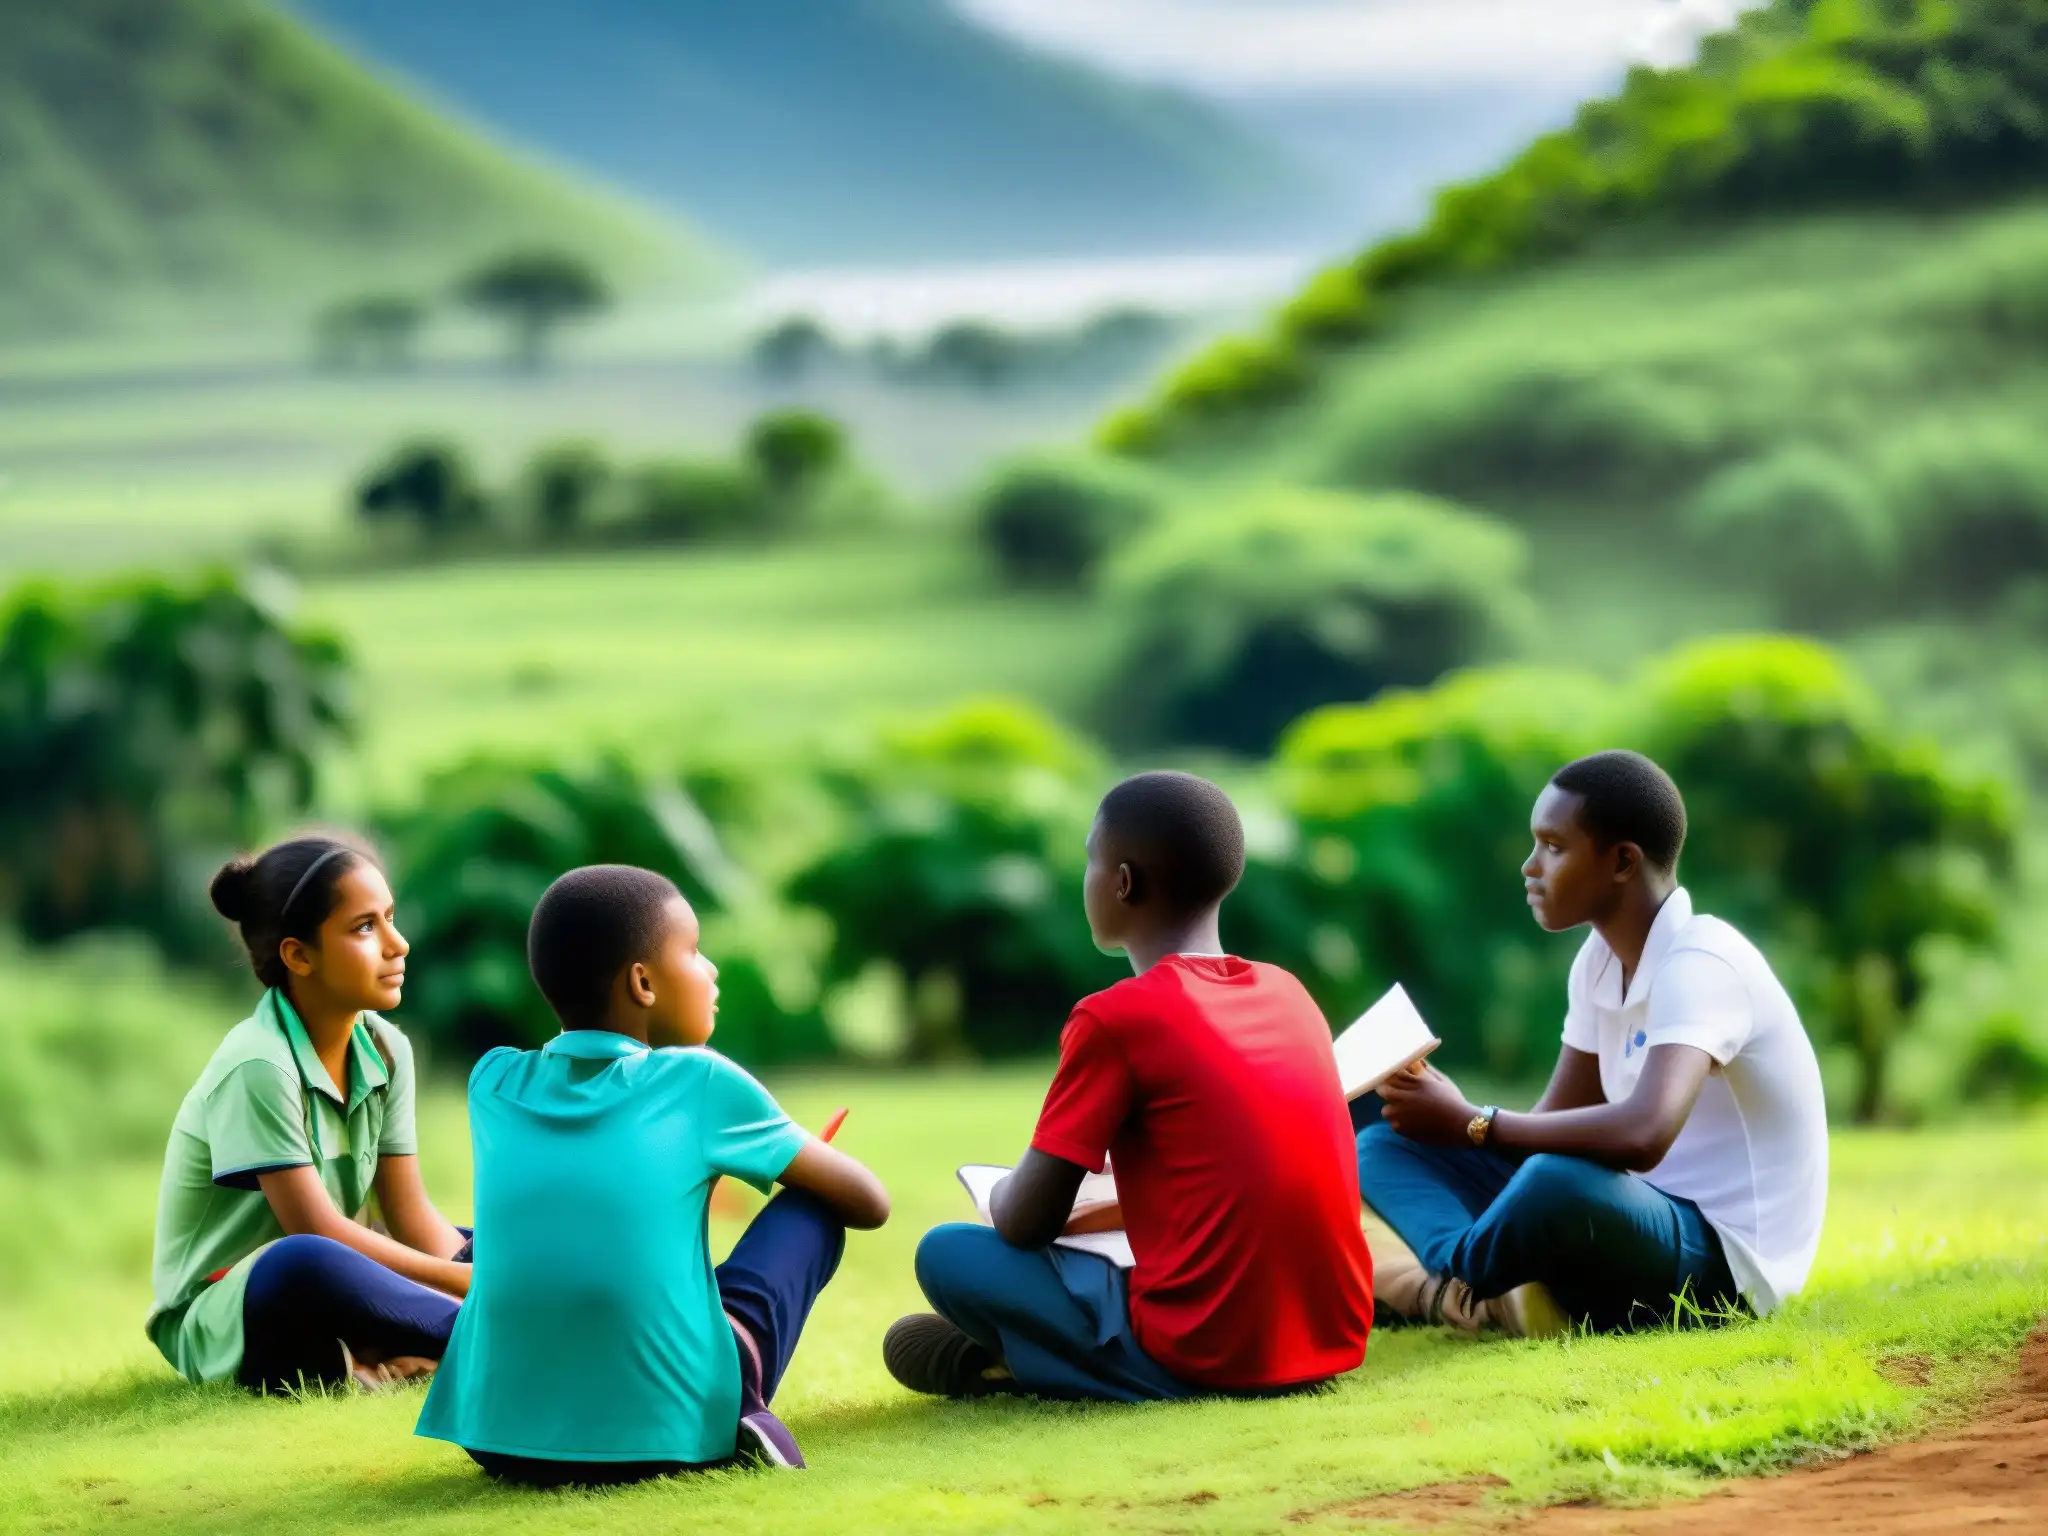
(1681, 1148)
(598, 1345)
(1212, 1082)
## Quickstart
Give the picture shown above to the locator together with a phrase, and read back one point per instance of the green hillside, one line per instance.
(1757, 344)
(163, 153)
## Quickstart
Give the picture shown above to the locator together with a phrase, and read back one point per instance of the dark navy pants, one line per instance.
(1612, 1249)
(768, 1286)
(307, 1294)
(1061, 1320)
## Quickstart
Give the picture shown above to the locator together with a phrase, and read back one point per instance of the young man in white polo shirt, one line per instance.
(1681, 1147)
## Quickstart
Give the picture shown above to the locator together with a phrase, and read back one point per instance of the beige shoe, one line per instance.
(1402, 1286)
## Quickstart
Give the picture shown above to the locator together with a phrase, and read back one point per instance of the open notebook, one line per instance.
(1388, 1037)
(980, 1180)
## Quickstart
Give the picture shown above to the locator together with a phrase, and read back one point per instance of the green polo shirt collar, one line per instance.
(594, 1045)
(366, 1072)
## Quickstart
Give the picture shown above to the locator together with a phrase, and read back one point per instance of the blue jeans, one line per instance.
(1612, 1249)
(308, 1293)
(1060, 1320)
(768, 1286)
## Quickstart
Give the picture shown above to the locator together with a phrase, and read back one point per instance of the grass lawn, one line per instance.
(1934, 1266)
(675, 654)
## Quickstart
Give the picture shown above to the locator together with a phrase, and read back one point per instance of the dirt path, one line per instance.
(1990, 1476)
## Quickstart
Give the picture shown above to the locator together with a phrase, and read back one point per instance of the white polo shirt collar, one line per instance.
(1664, 929)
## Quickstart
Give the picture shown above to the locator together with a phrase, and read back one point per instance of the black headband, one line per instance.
(298, 890)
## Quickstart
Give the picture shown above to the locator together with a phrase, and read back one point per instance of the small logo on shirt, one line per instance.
(1634, 1043)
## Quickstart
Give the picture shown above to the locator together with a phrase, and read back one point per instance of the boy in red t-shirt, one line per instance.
(1210, 1083)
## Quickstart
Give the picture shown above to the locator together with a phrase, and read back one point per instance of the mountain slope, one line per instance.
(846, 130)
(159, 154)
(1801, 106)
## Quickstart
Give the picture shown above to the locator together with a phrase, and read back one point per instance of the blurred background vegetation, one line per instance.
(478, 482)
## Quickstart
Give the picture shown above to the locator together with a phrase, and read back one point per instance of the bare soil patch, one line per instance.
(1439, 1504)
(1990, 1476)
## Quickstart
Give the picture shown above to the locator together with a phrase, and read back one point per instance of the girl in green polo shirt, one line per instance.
(264, 1272)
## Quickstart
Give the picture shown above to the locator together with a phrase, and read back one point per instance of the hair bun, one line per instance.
(230, 888)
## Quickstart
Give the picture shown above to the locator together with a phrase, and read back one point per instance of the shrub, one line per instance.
(1048, 520)
(1237, 377)
(1412, 817)
(427, 482)
(1972, 509)
(564, 482)
(1335, 307)
(1827, 830)
(1802, 525)
(473, 858)
(957, 882)
(687, 501)
(1554, 434)
(1247, 615)
(145, 727)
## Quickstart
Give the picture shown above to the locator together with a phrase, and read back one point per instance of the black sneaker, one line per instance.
(928, 1354)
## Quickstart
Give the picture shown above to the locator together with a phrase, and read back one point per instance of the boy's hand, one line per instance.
(1424, 1105)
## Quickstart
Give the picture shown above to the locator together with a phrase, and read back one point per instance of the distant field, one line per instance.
(662, 653)
(163, 462)
(1929, 1272)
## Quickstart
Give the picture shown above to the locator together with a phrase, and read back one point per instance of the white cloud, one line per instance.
(1332, 44)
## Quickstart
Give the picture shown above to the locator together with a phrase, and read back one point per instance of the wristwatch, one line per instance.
(1480, 1126)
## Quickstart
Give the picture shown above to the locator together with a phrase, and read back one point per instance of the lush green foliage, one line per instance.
(1852, 848)
(1848, 849)
(1050, 519)
(1247, 613)
(141, 726)
(954, 891)
(474, 857)
(213, 156)
(1803, 103)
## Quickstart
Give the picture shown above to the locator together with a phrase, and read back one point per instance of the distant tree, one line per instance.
(143, 728)
(564, 481)
(971, 352)
(427, 482)
(534, 293)
(795, 451)
(378, 330)
(792, 349)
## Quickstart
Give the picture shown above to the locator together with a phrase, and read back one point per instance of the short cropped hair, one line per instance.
(1182, 832)
(1626, 798)
(586, 928)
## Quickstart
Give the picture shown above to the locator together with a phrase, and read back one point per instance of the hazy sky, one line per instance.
(1235, 45)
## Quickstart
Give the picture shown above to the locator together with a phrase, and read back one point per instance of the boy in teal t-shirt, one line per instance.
(598, 1344)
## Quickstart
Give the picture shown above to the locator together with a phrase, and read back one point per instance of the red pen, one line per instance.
(838, 1118)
